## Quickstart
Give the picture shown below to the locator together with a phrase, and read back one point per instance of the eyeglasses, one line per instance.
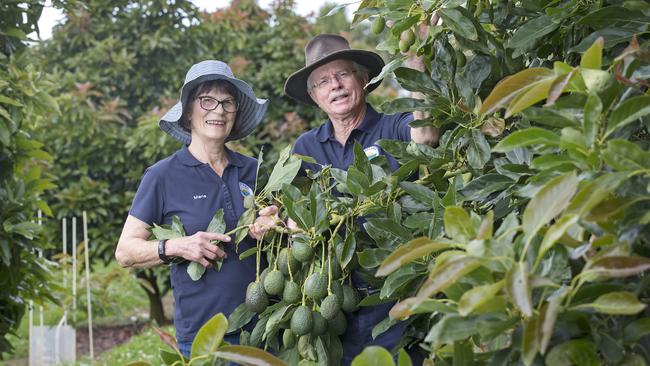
(209, 104)
(340, 76)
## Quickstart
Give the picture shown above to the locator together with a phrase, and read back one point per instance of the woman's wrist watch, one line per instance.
(161, 252)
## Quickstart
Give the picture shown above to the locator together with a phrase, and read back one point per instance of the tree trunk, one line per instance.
(149, 284)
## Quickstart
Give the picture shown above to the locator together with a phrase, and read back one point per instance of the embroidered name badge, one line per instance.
(245, 189)
(200, 196)
(371, 152)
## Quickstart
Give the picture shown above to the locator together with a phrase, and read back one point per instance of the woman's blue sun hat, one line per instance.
(250, 111)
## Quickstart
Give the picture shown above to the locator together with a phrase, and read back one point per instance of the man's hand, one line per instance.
(267, 218)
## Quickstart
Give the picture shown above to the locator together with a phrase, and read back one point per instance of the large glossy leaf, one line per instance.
(595, 192)
(530, 340)
(478, 150)
(458, 23)
(452, 328)
(591, 118)
(481, 187)
(396, 280)
(374, 356)
(246, 355)
(526, 35)
(458, 224)
(284, 171)
(628, 112)
(576, 352)
(536, 93)
(548, 202)
(404, 105)
(419, 192)
(555, 233)
(512, 86)
(446, 275)
(616, 303)
(623, 155)
(518, 288)
(414, 80)
(387, 69)
(549, 315)
(239, 317)
(608, 15)
(593, 57)
(414, 249)
(210, 335)
(477, 296)
(636, 330)
(617, 267)
(527, 137)
(403, 358)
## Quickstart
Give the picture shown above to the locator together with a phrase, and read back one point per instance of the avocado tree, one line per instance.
(23, 98)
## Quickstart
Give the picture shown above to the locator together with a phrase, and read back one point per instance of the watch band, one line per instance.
(161, 252)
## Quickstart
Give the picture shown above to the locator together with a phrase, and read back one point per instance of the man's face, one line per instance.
(337, 88)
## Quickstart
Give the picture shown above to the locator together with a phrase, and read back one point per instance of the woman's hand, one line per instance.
(267, 218)
(197, 248)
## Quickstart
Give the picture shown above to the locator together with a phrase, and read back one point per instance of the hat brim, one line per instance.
(250, 111)
(296, 84)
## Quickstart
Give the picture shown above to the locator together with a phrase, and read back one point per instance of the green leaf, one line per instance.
(636, 330)
(419, 192)
(446, 275)
(451, 328)
(347, 253)
(284, 171)
(414, 80)
(209, 336)
(458, 23)
(527, 137)
(514, 85)
(404, 105)
(549, 316)
(7, 100)
(397, 280)
(594, 192)
(536, 93)
(239, 317)
(616, 303)
(478, 150)
(518, 289)
(534, 29)
(195, 271)
(530, 340)
(247, 355)
(593, 57)
(555, 233)
(382, 327)
(548, 202)
(578, 352)
(623, 155)
(617, 267)
(217, 224)
(458, 225)
(629, 111)
(480, 188)
(477, 296)
(387, 69)
(374, 356)
(403, 358)
(247, 218)
(608, 15)
(591, 120)
(407, 253)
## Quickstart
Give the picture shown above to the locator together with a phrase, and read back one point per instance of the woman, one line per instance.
(193, 183)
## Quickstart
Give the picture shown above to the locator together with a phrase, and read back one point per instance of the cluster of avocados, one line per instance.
(316, 289)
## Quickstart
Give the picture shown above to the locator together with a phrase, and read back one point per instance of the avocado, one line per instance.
(316, 286)
(302, 321)
(320, 324)
(338, 325)
(289, 339)
(330, 307)
(285, 259)
(291, 293)
(337, 289)
(274, 282)
(351, 299)
(256, 298)
(302, 251)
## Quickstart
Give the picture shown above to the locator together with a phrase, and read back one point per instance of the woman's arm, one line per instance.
(134, 250)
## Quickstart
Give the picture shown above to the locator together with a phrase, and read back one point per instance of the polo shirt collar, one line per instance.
(188, 159)
(326, 130)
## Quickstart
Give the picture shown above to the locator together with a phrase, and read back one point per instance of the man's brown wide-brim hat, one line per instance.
(325, 48)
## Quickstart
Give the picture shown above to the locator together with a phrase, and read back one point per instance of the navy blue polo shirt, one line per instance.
(183, 186)
(321, 144)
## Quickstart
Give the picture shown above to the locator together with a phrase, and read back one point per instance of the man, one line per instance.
(334, 79)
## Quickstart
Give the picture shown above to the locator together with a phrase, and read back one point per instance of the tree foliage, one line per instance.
(23, 98)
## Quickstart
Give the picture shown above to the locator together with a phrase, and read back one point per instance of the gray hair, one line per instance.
(355, 66)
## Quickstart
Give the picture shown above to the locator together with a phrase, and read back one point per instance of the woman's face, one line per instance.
(213, 125)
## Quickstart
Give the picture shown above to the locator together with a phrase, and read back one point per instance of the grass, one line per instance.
(116, 298)
(142, 347)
